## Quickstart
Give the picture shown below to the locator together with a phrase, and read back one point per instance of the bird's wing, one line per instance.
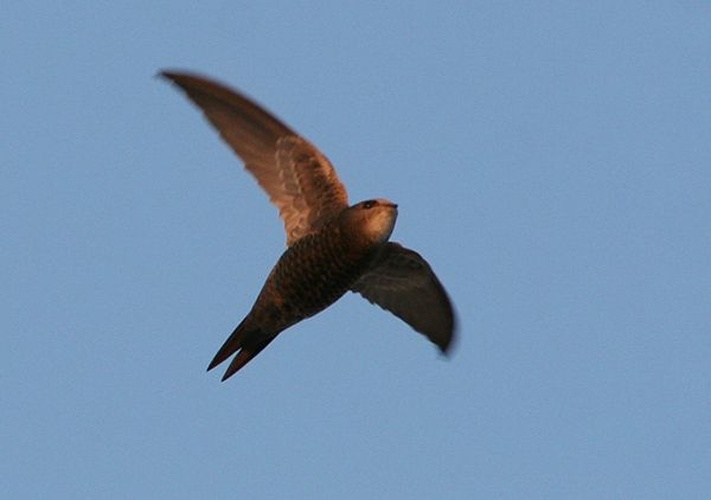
(298, 178)
(402, 282)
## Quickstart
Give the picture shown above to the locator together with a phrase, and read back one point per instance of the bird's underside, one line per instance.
(331, 247)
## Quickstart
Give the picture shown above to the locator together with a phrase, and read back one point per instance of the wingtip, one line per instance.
(172, 75)
(164, 74)
(176, 75)
(447, 347)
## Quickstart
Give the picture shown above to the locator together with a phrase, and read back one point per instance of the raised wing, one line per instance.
(402, 282)
(298, 178)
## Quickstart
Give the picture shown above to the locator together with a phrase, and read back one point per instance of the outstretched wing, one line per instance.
(298, 178)
(402, 282)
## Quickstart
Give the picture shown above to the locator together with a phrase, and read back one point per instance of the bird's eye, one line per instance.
(369, 204)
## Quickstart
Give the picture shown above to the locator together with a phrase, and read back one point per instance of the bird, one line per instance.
(332, 247)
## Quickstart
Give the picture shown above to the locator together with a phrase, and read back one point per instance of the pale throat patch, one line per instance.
(380, 225)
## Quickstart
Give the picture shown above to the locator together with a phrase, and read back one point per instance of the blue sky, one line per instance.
(550, 159)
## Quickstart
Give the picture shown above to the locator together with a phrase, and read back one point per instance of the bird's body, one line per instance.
(332, 247)
(310, 275)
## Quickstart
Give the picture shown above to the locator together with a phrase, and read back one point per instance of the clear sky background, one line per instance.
(552, 160)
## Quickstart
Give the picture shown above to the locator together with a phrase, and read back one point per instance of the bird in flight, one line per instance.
(332, 247)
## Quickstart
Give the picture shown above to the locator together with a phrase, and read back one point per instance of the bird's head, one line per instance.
(372, 220)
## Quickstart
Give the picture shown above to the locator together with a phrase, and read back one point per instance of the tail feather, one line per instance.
(248, 339)
(245, 355)
(231, 345)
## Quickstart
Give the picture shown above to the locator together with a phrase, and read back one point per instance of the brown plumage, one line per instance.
(332, 247)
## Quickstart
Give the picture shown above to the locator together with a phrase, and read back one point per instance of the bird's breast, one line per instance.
(312, 274)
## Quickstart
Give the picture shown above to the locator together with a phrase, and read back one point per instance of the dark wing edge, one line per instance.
(403, 283)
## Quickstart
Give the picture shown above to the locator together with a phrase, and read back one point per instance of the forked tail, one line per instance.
(248, 339)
